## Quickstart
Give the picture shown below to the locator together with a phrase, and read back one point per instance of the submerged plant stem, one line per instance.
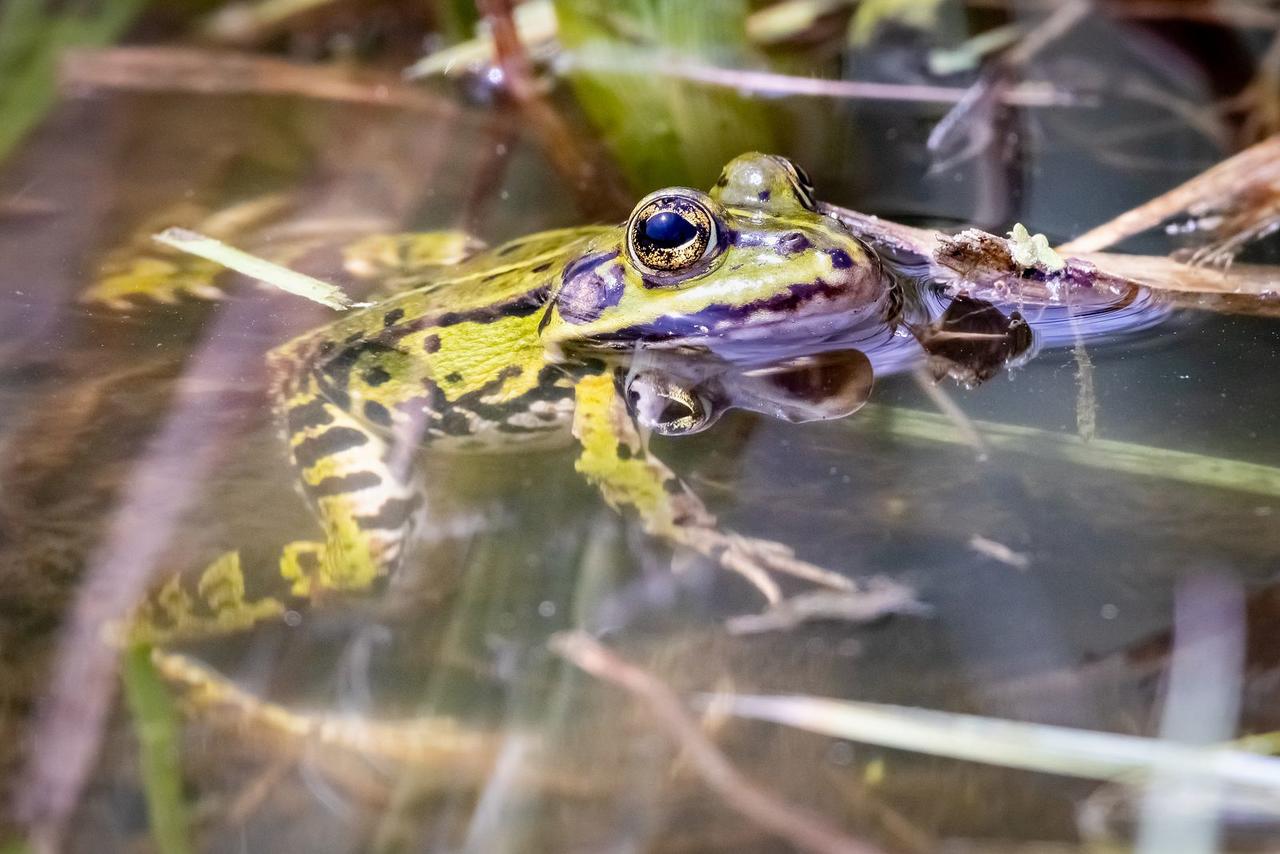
(1107, 454)
(283, 278)
(797, 826)
(155, 721)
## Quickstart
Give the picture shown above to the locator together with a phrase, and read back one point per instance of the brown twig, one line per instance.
(1234, 13)
(975, 257)
(517, 70)
(772, 83)
(1258, 164)
(177, 69)
(798, 826)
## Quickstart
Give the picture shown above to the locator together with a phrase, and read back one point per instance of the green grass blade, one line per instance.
(155, 720)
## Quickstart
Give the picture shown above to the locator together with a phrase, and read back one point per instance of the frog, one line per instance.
(553, 338)
(746, 295)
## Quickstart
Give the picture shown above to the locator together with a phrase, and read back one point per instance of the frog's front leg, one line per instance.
(362, 485)
(613, 457)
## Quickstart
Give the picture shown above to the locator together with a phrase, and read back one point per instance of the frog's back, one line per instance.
(455, 357)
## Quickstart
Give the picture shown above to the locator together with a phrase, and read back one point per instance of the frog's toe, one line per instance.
(759, 560)
(217, 606)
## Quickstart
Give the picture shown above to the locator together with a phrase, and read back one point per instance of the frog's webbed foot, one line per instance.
(613, 457)
(217, 606)
(757, 560)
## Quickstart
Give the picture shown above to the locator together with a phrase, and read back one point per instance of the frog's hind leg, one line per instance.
(141, 270)
(362, 485)
(400, 261)
(615, 459)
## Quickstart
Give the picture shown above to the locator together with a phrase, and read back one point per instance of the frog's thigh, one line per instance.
(390, 256)
(367, 496)
(141, 270)
(613, 457)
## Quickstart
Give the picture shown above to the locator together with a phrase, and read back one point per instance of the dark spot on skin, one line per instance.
(431, 344)
(353, 338)
(455, 424)
(376, 376)
(840, 259)
(491, 277)
(763, 195)
(313, 413)
(338, 367)
(794, 242)
(377, 413)
(335, 440)
(624, 451)
(522, 306)
(339, 484)
(723, 180)
(542, 268)
(673, 486)
(391, 318)
(592, 284)
(394, 513)
(454, 377)
(308, 562)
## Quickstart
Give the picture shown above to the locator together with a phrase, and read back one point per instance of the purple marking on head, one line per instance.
(840, 259)
(720, 316)
(591, 284)
(793, 242)
(763, 195)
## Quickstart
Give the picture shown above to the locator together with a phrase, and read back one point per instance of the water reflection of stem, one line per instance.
(949, 408)
(794, 824)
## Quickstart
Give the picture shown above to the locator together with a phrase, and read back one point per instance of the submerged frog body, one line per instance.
(555, 336)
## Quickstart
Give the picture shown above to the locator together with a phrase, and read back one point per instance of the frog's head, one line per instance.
(752, 259)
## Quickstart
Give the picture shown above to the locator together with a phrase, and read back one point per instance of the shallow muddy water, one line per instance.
(1050, 567)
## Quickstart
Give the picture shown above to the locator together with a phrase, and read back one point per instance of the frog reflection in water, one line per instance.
(600, 333)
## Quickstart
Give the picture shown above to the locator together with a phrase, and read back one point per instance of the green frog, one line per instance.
(599, 334)
(537, 341)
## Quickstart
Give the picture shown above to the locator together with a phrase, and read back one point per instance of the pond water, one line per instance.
(140, 442)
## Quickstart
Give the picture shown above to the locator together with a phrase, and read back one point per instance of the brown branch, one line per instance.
(517, 70)
(797, 826)
(976, 258)
(1236, 14)
(176, 69)
(772, 83)
(1259, 164)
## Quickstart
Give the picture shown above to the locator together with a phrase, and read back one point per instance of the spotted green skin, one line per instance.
(521, 345)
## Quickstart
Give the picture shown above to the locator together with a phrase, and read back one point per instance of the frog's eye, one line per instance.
(671, 233)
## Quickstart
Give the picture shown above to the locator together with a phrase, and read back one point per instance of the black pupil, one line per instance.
(668, 230)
